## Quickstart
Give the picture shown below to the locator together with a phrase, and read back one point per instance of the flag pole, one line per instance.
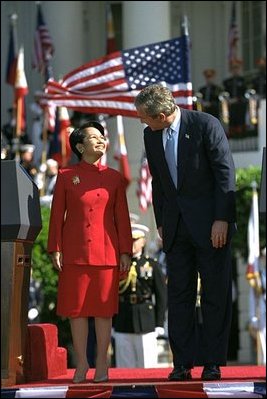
(17, 105)
(18, 126)
(255, 278)
(184, 25)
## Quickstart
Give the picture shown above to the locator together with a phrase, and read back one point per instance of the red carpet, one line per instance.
(157, 376)
(237, 381)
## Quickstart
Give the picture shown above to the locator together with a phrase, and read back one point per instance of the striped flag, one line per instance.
(43, 46)
(12, 52)
(110, 84)
(144, 189)
(120, 153)
(21, 90)
(233, 38)
(111, 42)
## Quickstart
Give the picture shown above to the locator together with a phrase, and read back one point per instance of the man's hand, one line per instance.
(125, 263)
(219, 233)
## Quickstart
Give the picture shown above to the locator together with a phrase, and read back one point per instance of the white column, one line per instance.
(144, 22)
(65, 23)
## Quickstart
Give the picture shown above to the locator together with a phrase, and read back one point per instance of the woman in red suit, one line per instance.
(90, 243)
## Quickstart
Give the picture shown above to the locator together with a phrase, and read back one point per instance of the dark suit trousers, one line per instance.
(183, 261)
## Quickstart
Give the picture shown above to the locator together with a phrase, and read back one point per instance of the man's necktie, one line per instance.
(170, 155)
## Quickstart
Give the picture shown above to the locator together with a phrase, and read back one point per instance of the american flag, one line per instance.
(43, 46)
(233, 37)
(144, 189)
(110, 84)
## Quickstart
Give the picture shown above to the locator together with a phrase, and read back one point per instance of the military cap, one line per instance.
(27, 148)
(51, 162)
(139, 231)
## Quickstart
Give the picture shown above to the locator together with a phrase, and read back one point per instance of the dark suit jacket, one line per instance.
(206, 179)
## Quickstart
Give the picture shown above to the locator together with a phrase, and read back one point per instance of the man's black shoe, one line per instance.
(180, 373)
(211, 372)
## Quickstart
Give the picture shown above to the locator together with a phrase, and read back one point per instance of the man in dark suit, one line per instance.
(195, 216)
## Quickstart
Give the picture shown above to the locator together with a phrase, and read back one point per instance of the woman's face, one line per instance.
(94, 143)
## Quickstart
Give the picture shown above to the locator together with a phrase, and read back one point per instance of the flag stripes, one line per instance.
(144, 189)
(110, 84)
(43, 45)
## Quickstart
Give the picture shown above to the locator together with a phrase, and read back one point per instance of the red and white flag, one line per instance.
(144, 189)
(121, 152)
(65, 126)
(21, 90)
(60, 149)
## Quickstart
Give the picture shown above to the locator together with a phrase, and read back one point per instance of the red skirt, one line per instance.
(88, 291)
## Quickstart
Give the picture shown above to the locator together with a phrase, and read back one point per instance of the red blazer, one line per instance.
(89, 221)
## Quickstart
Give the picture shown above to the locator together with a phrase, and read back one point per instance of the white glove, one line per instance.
(159, 331)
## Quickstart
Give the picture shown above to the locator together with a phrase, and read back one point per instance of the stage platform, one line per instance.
(237, 381)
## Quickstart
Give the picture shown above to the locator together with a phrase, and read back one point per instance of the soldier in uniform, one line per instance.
(26, 159)
(236, 87)
(210, 94)
(142, 307)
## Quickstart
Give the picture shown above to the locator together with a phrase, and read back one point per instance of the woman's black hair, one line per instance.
(78, 135)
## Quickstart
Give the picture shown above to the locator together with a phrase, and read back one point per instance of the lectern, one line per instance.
(20, 225)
